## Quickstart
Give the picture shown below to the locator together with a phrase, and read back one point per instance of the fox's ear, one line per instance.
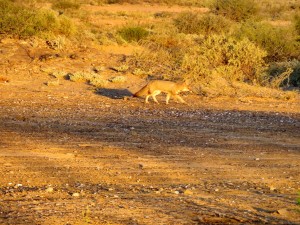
(186, 82)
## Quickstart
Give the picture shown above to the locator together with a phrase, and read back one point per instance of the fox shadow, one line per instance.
(114, 93)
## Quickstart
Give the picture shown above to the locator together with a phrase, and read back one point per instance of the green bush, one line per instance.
(193, 23)
(20, 21)
(279, 42)
(237, 10)
(133, 33)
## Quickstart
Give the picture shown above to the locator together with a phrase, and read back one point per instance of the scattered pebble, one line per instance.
(141, 166)
(18, 185)
(283, 212)
(272, 188)
(75, 194)
(49, 190)
(188, 192)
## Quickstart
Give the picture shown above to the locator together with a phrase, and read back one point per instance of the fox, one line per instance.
(155, 87)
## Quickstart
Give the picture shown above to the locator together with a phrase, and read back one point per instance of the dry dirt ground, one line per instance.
(70, 155)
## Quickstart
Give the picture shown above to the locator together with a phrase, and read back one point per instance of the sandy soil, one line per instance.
(69, 155)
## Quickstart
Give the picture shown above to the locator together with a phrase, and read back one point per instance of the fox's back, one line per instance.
(166, 86)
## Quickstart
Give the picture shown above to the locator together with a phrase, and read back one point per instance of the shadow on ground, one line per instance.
(114, 93)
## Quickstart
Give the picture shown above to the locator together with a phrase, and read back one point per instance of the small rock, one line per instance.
(217, 189)
(188, 192)
(73, 56)
(18, 185)
(257, 159)
(141, 166)
(53, 83)
(198, 219)
(75, 194)
(176, 192)
(49, 189)
(283, 212)
(272, 188)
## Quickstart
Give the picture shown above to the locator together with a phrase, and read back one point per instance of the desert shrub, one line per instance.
(187, 23)
(272, 9)
(212, 64)
(277, 70)
(163, 55)
(193, 23)
(226, 57)
(65, 5)
(245, 90)
(81, 76)
(297, 24)
(87, 77)
(279, 42)
(66, 26)
(237, 10)
(98, 82)
(122, 68)
(20, 21)
(17, 20)
(59, 74)
(118, 79)
(133, 33)
(141, 73)
(278, 80)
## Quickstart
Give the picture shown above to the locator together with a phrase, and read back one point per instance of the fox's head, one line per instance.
(184, 86)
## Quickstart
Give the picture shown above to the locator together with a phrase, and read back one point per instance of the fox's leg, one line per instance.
(179, 98)
(168, 98)
(154, 96)
(146, 99)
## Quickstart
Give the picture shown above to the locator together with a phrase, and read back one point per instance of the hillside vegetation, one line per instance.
(233, 47)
